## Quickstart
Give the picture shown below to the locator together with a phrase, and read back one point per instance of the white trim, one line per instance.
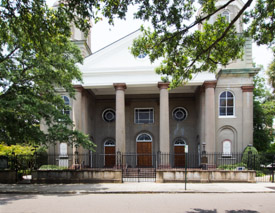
(229, 116)
(138, 141)
(234, 104)
(141, 109)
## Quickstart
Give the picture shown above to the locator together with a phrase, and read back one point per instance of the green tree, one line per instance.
(264, 112)
(36, 57)
(271, 71)
(174, 38)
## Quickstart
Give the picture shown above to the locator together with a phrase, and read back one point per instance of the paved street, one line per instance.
(188, 202)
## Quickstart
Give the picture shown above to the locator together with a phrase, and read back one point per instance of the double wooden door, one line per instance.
(110, 156)
(179, 160)
(144, 154)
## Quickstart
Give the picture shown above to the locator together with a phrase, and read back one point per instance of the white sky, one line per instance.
(102, 34)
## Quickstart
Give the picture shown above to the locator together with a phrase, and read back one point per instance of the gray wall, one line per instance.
(185, 129)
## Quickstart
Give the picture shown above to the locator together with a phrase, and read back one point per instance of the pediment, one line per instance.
(115, 64)
(116, 57)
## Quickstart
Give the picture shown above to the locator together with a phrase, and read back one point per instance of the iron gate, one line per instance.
(138, 167)
(264, 165)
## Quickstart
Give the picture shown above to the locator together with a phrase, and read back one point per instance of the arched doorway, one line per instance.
(144, 150)
(110, 153)
(179, 152)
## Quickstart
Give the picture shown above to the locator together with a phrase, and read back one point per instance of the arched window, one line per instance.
(67, 103)
(226, 15)
(179, 114)
(226, 148)
(226, 104)
(109, 142)
(179, 142)
(144, 137)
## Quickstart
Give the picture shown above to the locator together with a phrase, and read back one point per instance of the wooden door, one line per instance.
(179, 156)
(144, 151)
(110, 157)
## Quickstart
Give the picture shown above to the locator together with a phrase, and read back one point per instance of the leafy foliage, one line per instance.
(264, 112)
(232, 166)
(250, 157)
(52, 167)
(36, 58)
(271, 71)
(16, 150)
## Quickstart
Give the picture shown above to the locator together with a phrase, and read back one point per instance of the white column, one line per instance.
(247, 116)
(210, 127)
(164, 136)
(120, 117)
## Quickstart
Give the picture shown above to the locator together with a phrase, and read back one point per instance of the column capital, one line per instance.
(78, 88)
(209, 84)
(247, 88)
(120, 86)
(163, 85)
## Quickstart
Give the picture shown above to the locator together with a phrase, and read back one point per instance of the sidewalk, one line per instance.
(137, 188)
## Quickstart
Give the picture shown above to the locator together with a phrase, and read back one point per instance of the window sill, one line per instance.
(228, 116)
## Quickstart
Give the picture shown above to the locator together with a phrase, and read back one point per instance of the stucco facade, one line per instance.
(212, 113)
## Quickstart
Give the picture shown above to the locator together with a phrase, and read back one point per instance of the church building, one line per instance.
(124, 106)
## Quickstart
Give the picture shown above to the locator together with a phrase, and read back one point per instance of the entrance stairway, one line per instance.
(139, 174)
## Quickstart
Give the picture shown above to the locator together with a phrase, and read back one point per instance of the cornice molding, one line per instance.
(247, 88)
(78, 88)
(210, 84)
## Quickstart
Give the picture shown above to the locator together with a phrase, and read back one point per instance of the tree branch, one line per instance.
(248, 3)
(197, 22)
(5, 58)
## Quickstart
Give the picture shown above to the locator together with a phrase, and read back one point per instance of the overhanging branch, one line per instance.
(248, 3)
(9, 55)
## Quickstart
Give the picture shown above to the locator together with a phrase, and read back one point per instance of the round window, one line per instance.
(109, 115)
(179, 114)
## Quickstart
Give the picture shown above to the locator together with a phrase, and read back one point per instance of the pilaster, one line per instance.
(210, 127)
(247, 115)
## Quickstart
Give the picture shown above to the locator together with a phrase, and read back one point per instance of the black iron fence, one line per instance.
(263, 164)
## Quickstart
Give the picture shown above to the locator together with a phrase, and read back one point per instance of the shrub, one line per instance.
(232, 166)
(250, 158)
(52, 167)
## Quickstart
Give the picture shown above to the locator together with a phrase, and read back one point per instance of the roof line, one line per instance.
(114, 42)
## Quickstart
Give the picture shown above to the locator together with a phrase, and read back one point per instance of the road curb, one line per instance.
(134, 192)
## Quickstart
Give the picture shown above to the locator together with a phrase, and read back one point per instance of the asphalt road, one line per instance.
(191, 202)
